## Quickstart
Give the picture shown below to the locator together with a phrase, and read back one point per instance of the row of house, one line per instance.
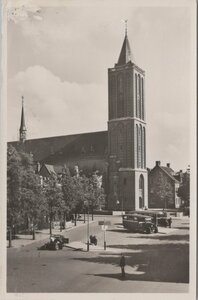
(163, 183)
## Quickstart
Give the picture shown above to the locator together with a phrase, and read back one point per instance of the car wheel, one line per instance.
(56, 246)
(155, 230)
(148, 230)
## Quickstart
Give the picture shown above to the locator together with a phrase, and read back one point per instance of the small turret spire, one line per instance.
(22, 130)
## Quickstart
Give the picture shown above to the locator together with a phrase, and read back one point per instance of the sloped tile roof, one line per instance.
(169, 172)
(50, 148)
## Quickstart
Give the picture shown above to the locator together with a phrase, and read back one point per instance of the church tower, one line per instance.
(127, 173)
(22, 129)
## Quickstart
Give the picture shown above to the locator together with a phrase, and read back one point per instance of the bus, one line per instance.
(139, 223)
(159, 217)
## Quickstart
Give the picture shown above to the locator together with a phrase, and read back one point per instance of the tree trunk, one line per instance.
(10, 237)
(33, 233)
(84, 215)
(75, 219)
(92, 213)
(50, 223)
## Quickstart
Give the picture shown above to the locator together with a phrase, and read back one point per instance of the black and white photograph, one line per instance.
(98, 129)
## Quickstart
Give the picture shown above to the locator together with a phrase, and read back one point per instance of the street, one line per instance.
(154, 263)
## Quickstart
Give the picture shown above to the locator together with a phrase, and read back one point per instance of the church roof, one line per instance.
(51, 149)
(125, 54)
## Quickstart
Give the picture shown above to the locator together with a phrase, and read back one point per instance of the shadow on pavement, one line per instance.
(182, 227)
(117, 276)
(123, 230)
(161, 262)
(173, 237)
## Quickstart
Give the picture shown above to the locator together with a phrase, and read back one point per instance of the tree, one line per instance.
(55, 203)
(68, 192)
(25, 199)
(14, 171)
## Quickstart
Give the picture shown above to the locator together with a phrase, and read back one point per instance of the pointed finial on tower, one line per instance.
(125, 21)
(22, 130)
(125, 54)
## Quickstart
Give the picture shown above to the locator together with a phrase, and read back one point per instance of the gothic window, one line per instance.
(144, 136)
(142, 158)
(129, 104)
(141, 191)
(137, 158)
(120, 106)
(136, 95)
(139, 97)
(128, 144)
(112, 97)
(140, 147)
(142, 98)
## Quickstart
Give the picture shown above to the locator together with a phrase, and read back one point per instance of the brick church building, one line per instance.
(119, 154)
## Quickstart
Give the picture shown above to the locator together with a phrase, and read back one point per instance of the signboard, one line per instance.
(104, 223)
(104, 227)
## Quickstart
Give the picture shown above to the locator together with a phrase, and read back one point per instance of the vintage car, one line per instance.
(159, 217)
(56, 243)
(139, 223)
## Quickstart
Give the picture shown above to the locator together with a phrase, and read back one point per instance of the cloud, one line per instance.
(23, 12)
(55, 107)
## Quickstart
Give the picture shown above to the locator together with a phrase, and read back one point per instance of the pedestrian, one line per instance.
(170, 222)
(122, 265)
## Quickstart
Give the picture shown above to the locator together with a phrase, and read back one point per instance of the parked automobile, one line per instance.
(159, 216)
(56, 243)
(139, 223)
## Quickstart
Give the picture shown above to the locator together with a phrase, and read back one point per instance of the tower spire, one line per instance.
(22, 130)
(125, 53)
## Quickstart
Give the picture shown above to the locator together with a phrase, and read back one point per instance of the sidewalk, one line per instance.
(24, 239)
(77, 245)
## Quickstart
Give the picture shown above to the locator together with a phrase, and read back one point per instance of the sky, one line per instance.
(58, 57)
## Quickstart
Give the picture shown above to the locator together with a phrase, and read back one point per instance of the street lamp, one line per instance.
(87, 203)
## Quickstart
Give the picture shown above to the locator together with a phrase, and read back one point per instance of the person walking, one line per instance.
(122, 265)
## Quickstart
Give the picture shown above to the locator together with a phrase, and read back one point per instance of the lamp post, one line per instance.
(87, 203)
(88, 226)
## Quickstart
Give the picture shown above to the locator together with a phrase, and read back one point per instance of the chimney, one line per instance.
(157, 163)
(168, 165)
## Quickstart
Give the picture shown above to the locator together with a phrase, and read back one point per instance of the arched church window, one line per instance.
(120, 105)
(137, 145)
(129, 92)
(141, 191)
(144, 136)
(140, 147)
(142, 153)
(142, 98)
(139, 98)
(112, 97)
(136, 95)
